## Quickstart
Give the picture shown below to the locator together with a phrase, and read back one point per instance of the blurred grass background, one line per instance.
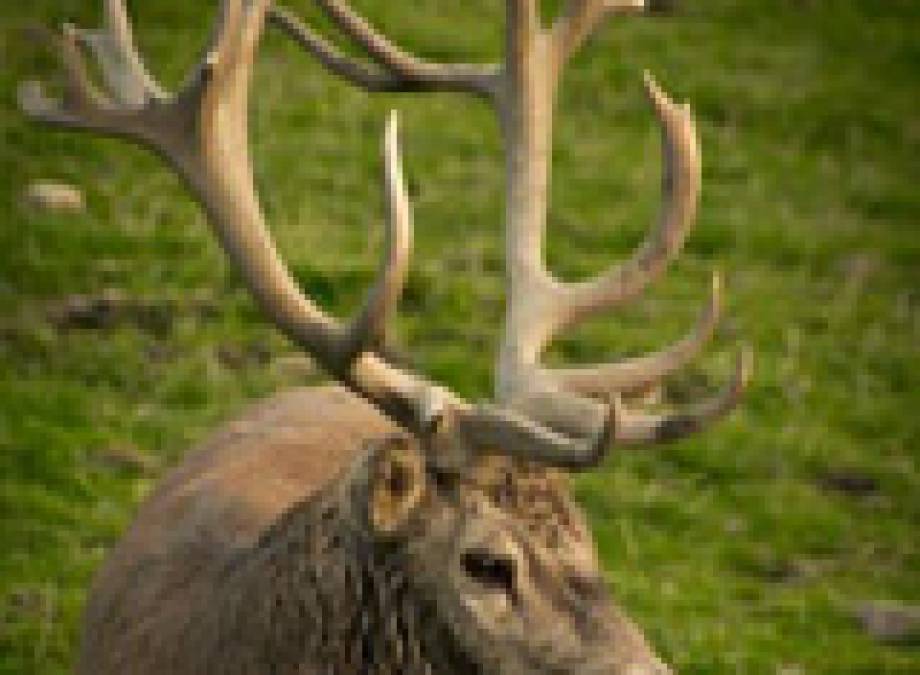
(754, 548)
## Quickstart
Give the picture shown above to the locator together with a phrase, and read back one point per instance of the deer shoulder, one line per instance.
(208, 514)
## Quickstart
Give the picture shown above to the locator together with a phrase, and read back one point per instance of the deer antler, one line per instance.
(539, 304)
(201, 131)
(523, 91)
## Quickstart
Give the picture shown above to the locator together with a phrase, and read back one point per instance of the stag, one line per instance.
(384, 524)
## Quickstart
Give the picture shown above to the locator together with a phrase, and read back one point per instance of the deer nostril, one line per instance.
(491, 570)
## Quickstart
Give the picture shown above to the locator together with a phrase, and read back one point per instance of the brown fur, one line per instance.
(218, 502)
(264, 553)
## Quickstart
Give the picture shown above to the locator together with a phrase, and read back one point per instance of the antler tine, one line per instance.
(636, 374)
(398, 70)
(367, 77)
(680, 188)
(83, 105)
(125, 74)
(133, 104)
(638, 428)
(578, 20)
(373, 42)
(368, 330)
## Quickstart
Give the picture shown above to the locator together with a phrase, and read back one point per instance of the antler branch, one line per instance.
(126, 76)
(360, 74)
(640, 373)
(539, 305)
(579, 18)
(639, 428)
(680, 192)
(396, 69)
(368, 330)
(83, 106)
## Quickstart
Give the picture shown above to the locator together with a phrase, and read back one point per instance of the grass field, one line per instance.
(750, 549)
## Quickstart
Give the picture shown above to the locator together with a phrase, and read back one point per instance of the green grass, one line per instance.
(728, 549)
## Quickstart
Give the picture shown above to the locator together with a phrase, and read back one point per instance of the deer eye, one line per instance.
(495, 572)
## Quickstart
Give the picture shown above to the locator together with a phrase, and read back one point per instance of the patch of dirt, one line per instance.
(115, 307)
(110, 309)
(848, 482)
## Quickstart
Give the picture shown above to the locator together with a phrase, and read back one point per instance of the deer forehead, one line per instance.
(532, 499)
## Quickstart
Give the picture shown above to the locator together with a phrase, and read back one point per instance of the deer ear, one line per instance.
(396, 486)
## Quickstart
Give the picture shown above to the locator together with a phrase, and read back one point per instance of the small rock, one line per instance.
(890, 622)
(54, 196)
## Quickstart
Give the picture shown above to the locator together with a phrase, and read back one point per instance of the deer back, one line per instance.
(218, 502)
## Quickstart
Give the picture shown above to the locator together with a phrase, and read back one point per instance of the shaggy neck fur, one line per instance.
(321, 592)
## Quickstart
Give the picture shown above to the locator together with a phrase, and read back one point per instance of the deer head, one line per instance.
(473, 497)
